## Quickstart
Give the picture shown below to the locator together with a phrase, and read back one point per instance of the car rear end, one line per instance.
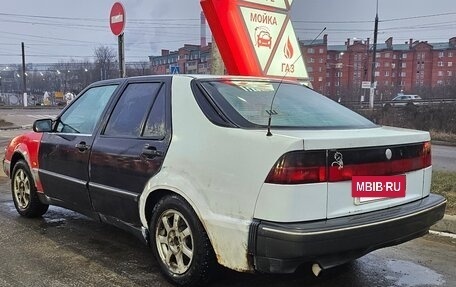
(307, 210)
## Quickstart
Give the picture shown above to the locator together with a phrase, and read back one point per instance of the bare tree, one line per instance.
(138, 68)
(105, 58)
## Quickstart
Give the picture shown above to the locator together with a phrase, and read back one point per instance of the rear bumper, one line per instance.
(282, 247)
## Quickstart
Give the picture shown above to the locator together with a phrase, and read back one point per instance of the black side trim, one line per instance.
(253, 231)
(353, 156)
(57, 202)
(116, 192)
(138, 232)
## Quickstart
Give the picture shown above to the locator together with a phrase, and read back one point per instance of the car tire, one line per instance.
(24, 194)
(180, 243)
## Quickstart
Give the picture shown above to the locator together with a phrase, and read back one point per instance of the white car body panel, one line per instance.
(224, 197)
(292, 203)
(300, 203)
(221, 172)
(335, 139)
(427, 181)
(341, 203)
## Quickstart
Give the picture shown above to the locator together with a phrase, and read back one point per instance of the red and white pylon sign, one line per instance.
(256, 37)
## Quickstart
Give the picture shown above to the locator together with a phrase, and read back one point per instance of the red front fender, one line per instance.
(25, 147)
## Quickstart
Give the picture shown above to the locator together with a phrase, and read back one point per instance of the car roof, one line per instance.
(193, 76)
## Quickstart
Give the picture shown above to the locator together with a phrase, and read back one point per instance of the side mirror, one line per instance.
(43, 125)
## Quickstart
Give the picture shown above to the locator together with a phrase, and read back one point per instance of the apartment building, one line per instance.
(190, 59)
(339, 70)
(415, 66)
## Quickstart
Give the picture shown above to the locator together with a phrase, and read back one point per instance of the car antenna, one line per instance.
(271, 111)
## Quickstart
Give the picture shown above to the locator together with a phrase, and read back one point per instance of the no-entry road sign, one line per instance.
(117, 18)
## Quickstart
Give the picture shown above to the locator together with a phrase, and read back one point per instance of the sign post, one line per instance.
(117, 25)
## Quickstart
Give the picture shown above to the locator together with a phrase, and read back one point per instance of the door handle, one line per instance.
(150, 152)
(82, 146)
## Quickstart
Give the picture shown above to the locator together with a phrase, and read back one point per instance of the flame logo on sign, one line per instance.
(288, 49)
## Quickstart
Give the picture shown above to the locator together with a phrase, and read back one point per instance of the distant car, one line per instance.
(264, 39)
(255, 174)
(404, 100)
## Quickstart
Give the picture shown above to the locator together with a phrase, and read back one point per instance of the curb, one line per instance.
(15, 127)
(447, 224)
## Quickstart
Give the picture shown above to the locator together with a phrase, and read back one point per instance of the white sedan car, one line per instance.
(402, 100)
(255, 174)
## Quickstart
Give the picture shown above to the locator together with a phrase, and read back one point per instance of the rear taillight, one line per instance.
(426, 154)
(299, 167)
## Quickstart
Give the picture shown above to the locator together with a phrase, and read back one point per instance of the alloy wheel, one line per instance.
(174, 240)
(22, 189)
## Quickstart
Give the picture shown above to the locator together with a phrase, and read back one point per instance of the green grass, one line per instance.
(444, 183)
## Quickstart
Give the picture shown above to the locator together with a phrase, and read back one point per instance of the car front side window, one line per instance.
(82, 116)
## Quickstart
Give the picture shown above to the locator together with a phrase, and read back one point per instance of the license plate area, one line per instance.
(364, 200)
(366, 189)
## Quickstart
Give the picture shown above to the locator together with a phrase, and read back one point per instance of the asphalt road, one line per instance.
(444, 158)
(65, 248)
(26, 117)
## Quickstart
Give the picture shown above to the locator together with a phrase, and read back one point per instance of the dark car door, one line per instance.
(64, 153)
(130, 150)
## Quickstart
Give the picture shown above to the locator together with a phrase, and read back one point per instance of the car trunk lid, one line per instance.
(382, 151)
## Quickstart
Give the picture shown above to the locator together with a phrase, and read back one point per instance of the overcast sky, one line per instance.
(60, 30)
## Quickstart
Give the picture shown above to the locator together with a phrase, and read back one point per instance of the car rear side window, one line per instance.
(130, 112)
(155, 124)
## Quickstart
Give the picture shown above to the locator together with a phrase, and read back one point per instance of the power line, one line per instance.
(371, 21)
(160, 21)
(73, 25)
(166, 29)
(332, 22)
(419, 17)
(94, 19)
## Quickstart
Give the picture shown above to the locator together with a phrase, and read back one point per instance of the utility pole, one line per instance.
(374, 59)
(24, 84)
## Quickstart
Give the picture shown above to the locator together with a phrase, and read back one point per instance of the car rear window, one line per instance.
(248, 104)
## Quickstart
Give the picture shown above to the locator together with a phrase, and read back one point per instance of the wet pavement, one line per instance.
(65, 248)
